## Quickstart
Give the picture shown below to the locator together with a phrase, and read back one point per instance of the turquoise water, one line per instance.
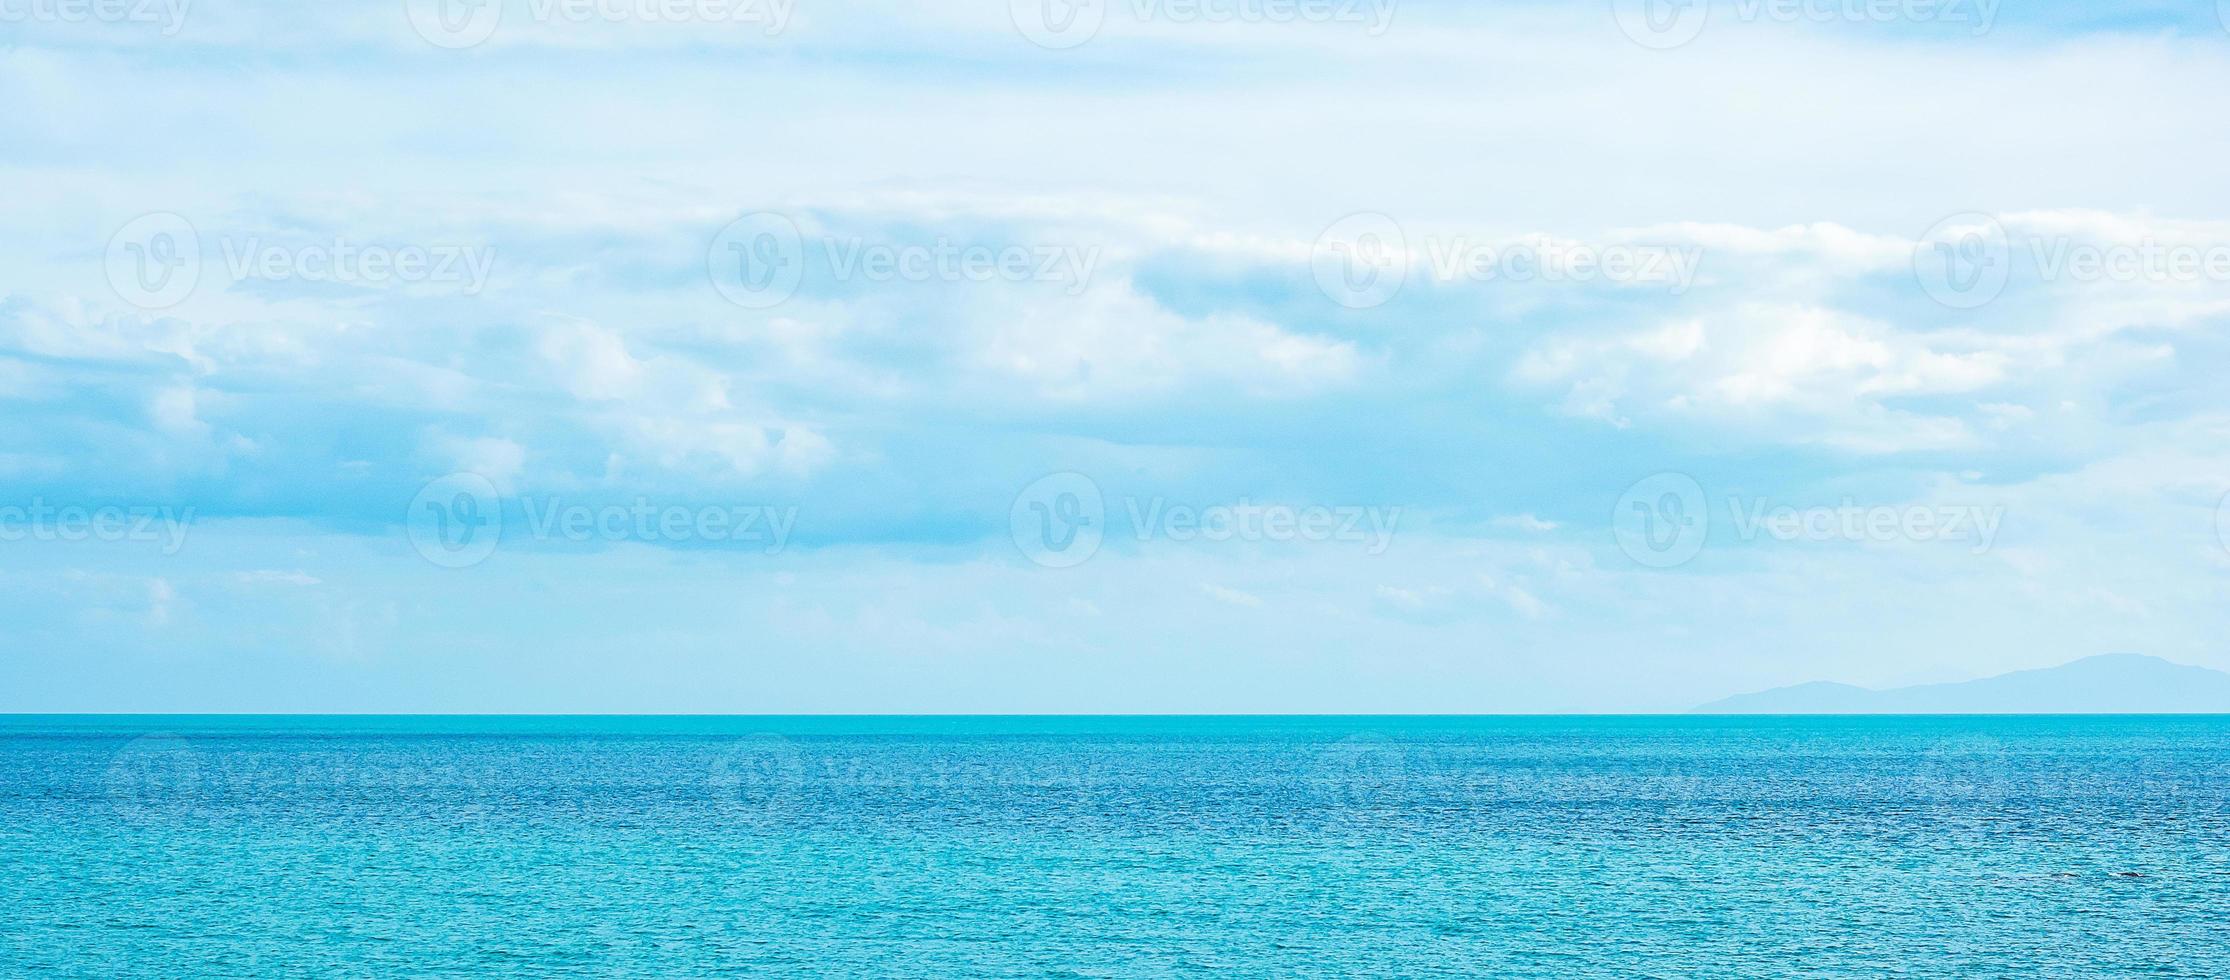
(1553, 847)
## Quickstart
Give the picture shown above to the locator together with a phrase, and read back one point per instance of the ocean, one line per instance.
(236, 846)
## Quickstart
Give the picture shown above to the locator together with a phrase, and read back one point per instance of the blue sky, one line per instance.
(1302, 320)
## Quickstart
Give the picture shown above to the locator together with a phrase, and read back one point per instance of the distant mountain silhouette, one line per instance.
(2115, 683)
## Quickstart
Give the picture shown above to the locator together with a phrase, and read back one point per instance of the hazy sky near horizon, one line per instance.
(774, 356)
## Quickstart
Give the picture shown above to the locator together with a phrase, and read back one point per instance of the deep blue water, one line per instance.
(1554, 847)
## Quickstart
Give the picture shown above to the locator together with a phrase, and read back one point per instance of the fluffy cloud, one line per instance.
(1197, 361)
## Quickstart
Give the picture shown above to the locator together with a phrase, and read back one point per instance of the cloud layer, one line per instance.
(879, 272)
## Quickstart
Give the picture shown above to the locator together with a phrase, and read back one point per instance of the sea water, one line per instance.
(865, 846)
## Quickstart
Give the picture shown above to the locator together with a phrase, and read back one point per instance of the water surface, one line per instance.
(1554, 847)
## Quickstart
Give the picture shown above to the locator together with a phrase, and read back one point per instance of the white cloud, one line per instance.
(1526, 522)
(592, 362)
(1231, 596)
(500, 460)
(1786, 373)
(172, 410)
(1112, 342)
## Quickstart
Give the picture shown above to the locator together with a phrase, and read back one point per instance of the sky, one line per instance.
(744, 356)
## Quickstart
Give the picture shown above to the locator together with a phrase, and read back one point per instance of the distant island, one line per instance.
(2118, 683)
